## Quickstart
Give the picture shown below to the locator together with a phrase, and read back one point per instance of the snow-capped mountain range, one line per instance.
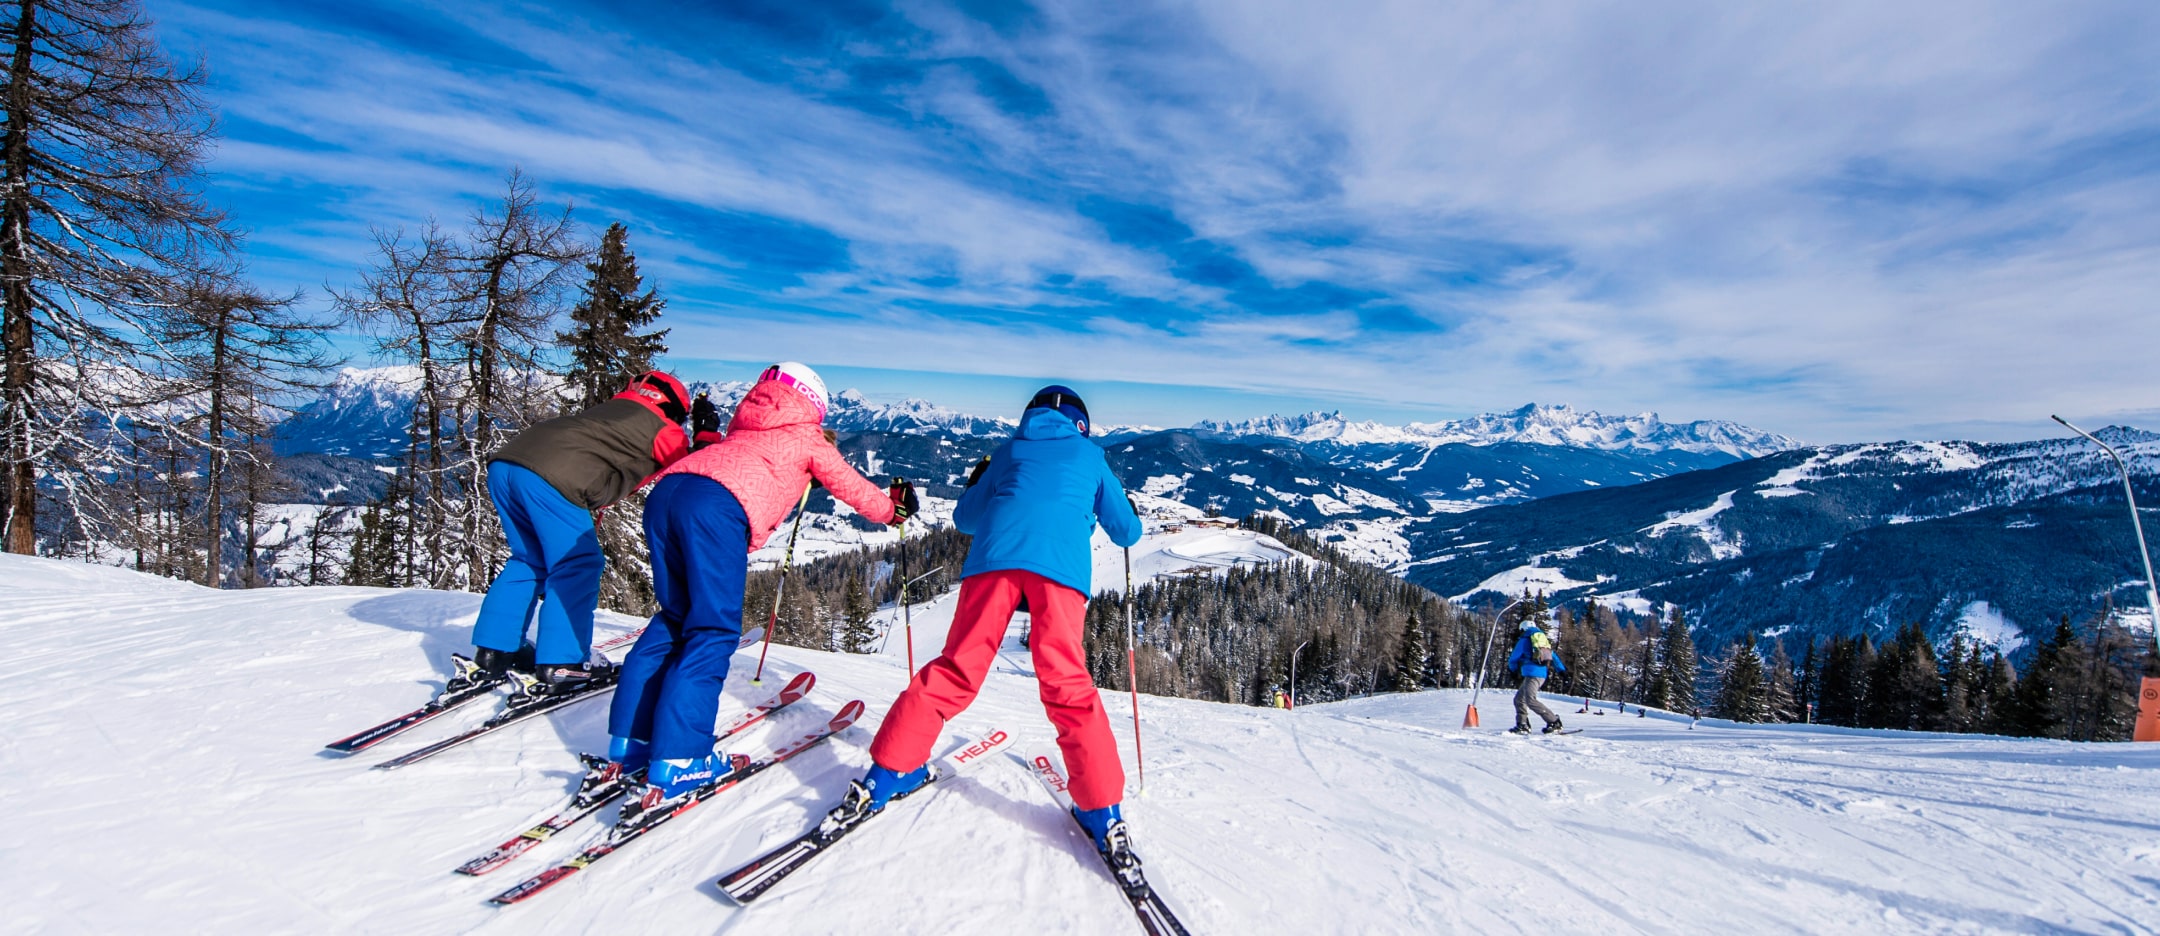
(1738, 526)
(1534, 424)
(365, 411)
(1996, 540)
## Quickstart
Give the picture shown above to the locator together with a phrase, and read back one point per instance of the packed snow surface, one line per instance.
(164, 772)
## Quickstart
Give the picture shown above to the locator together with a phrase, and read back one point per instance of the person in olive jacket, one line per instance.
(547, 483)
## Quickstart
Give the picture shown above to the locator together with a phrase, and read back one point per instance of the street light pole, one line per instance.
(1293, 672)
(2152, 588)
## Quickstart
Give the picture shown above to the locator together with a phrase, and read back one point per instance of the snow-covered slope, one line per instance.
(163, 772)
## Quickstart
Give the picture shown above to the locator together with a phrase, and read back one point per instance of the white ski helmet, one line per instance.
(805, 381)
(1527, 624)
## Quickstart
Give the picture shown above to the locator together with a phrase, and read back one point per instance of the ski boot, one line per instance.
(670, 783)
(1114, 842)
(868, 796)
(1553, 728)
(1519, 729)
(561, 679)
(605, 777)
(471, 677)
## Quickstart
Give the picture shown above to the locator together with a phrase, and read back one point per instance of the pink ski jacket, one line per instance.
(772, 449)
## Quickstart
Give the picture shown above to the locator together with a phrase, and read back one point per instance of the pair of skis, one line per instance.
(628, 831)
(604, 782)
(762, 873)
(452, 696)
(523, 704)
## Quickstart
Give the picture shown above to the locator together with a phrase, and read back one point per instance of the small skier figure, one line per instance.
(1533, 660)
(1032, 512)
(704, 421)
(546, 484)
(704, 518)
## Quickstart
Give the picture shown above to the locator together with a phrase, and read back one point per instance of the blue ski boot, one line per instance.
(630, 754)
(1114, 841)
(865, 797)
(1099, 823)
(668, 782)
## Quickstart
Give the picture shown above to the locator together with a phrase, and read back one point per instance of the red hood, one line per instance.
(771, 405)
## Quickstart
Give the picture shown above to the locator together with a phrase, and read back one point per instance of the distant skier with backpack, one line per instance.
(704, 421)
(1032, 509)
(546, 484)
(702, 521)
(1533, 660)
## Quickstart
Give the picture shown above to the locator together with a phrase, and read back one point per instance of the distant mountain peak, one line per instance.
(1535, 423)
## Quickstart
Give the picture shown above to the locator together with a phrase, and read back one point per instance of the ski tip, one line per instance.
(847, 715)
(802, 683)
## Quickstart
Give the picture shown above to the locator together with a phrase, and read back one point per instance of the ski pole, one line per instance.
(1132, 677)
(786, 557)
(907, 617)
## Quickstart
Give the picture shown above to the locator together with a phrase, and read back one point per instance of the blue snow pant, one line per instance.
(670, 692)
(554, 562)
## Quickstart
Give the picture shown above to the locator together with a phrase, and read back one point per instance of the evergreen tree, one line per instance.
(1649, 678)
(1781, 685)
(2002, 715)
(609, 346)
(1903, 684)
(1807, 691)
(1843, 696)
(855, 632)
(1959, 688)
(1743, 692)
(1410, 659)
(1673, 687)
(2038, 707)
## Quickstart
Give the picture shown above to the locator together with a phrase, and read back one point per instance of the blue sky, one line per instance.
(1838, 221)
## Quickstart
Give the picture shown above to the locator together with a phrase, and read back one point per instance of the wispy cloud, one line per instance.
(1837, 220)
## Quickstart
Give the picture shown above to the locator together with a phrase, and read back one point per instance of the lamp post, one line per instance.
(1470, 715)
(1293, 672)
(2152, 589)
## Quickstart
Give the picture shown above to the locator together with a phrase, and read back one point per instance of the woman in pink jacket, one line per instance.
(705, 516)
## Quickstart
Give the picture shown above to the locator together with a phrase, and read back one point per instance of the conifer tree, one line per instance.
(1673, 686)
(609, 343)
(1778, 681)
(1807, 691)
(855, 632)
(1743, 693)
(1410, 658)
(1959, 704)
(2038, 708)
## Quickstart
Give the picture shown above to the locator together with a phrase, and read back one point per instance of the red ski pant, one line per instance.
(945, 687)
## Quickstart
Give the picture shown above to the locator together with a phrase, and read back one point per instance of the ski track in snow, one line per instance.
(163, 766)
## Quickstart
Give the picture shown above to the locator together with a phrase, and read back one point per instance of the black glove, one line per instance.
(905, 505)
(980, 467)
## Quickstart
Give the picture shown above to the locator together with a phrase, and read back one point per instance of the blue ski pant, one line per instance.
(670, 692)
(555, 563)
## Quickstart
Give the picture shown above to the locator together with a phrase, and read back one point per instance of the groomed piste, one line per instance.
(163, 769)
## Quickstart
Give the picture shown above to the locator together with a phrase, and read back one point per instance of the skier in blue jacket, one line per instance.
(1534, 659)
(1032, 509)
